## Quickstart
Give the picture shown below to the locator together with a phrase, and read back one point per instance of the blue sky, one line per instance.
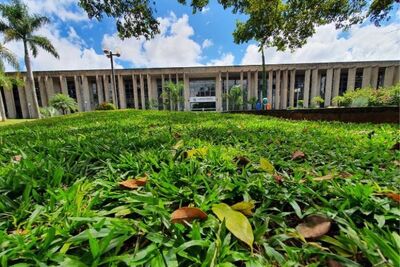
(204, 38)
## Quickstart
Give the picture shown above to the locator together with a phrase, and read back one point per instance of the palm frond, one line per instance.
(37, 21)
(33, 49)
(44, 43)
(9, 57)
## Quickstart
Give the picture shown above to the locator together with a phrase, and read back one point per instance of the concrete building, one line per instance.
(204, 87)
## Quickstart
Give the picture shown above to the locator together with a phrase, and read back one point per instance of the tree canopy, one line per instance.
(136, 18)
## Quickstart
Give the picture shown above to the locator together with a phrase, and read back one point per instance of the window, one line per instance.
(202, 88)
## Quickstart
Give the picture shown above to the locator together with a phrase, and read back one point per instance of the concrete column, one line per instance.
(336, 82)
(256, 84)
(306, 93)
(9, 100)
(396, 75)
(218, 92)
(277, 90)
(100, 91)
(87, 106)
(186, 92)
(328, 87)
(23, 103)
(135, 92)
(249, 86)
(63, 84)
(79, 97)
(142, 92)
(121, 92)
(242, 87)
(106, 88)
(164, 96)
(227, 90)
(389, 76)
(270, 85)
(285, 89)
(49, 87)
(315, 90)
(149, 88)
(374, 77)
(42, 91)
(351, 79)
(292, 87)
(366, 80)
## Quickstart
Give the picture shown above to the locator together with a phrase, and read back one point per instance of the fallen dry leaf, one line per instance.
(241, 161)
(187, 214)
(314, 226)
(324, 178)
(244, 207)
(17, 158)
(394, 196)
(333, 263)
(134, 183)
(177, 135)
(20, 232)
(298, 155)
(345, 175)
(278, 178)
(396, 146)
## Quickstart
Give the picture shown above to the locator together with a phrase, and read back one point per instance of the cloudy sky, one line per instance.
(192, 40)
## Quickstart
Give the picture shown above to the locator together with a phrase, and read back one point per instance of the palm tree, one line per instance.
(5, 81)
(19, 25)
(173, 91)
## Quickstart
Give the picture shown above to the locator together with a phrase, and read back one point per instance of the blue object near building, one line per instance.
(258, 106)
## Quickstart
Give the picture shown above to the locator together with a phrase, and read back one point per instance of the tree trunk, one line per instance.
(31, 81)
(2, 108)
(264, 74)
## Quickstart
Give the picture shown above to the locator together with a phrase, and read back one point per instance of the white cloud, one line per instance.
(207, 43)
(205, 10)
(72, 51)
(225, 60)
(362, 43)
(174, 46)
(65, 10)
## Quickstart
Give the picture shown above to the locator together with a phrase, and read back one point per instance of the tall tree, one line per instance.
(136, 18)
(5, 81)
(18, 24)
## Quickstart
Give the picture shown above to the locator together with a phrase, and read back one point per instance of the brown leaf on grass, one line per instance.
(314, 226)
(187, 214)
(345, 175)
(396, 146)
(134, 183)
(298, 155)
(324, 178)
(177, 135)
(278, 178)
(333, 263)
(241, 161)
(20, 232)
(17, 158)
(394, 196)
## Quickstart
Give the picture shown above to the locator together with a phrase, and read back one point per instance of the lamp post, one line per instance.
(111, 55)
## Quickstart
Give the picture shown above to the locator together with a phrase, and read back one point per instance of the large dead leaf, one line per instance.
(324, 178)
(244, 207)
(298, 155)
(187, 214)
(394, 196)
(267, 166)
(134, 183)
(241, 161)
(314, 226)
(235, 222)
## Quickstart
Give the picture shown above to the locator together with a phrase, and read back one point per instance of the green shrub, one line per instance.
(48, 112)
(317, 101)
(106, 106)
(63, 103)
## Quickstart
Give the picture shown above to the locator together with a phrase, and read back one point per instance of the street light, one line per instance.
(111, 55)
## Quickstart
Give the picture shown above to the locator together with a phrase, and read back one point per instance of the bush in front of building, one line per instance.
(369, 97)
(48, 112)
(64, 104)
(106, 106)
(316, 102)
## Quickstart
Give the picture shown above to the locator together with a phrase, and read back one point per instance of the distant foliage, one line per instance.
(63, 103)
(106, 106)
(317, 101)
(369, 97)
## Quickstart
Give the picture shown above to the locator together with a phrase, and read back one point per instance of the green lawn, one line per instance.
(13, 121)
(61, 203)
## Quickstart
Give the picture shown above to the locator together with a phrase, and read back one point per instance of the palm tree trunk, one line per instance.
(31, 81)
(2, 109)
